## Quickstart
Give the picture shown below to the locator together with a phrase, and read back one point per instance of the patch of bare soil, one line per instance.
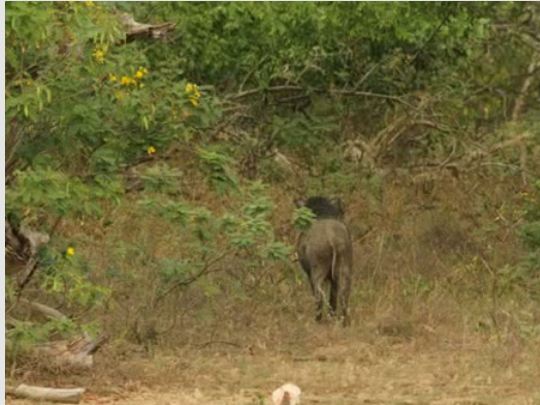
(332, 367)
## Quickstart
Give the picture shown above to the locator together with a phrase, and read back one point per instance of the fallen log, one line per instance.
(64, 395)
(74, 355)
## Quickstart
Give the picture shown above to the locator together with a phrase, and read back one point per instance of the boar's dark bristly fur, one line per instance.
(325, 254)
(323, 207)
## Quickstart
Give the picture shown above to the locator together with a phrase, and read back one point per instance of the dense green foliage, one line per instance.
(239, 95)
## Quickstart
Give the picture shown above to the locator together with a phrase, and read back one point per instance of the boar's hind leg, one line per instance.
(334, 295)
(317, 278)
(339, 297)
(340, 291)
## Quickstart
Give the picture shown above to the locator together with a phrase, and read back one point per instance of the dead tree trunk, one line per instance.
(63, 395)
(75, 355)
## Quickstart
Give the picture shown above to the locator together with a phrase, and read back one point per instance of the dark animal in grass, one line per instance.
(325, 254)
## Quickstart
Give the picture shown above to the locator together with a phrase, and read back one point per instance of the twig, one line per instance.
(520, 100)
(246, 93)
(291, 99)
(430, 38)
(346, 92)
(450, 155)
(28, 272)
(366, 76)
(250, 73)
(510, 142)
(430, 124)
(222, 342)
(379, 139)
(204, 271)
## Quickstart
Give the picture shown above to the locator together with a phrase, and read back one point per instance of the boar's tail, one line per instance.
(334, 260)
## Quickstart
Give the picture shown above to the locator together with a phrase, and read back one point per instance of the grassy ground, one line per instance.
(360, 365)
(437, 316)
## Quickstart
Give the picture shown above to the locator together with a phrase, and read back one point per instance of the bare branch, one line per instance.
(519, 106)
(44, 309)
(250, 73)
(343, 92)
(24, 244)
(257, 90)
(346, 92)
(520, 100)
(366, 76)
(135, 29)
(207, 269)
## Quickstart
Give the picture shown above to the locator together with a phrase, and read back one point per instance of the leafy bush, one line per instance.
(97, 123)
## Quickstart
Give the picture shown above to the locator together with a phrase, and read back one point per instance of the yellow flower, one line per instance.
(70, 251)
(192, 90)
(141, 72)
(150, 150)
(89, 4)
(99, 55)
(112, 77)
(126, 81)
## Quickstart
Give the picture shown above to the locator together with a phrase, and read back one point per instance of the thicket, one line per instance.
(237, 98)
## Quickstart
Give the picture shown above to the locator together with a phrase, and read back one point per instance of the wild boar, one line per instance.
(325, 253)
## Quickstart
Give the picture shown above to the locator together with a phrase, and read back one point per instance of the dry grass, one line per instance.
(332, 366)
(433, 320)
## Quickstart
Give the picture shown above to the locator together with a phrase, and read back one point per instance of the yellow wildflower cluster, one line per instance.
(130, 80)
(99, 54)
(193, 93)
(70, 251)
(151, 150)
(127, 81)
(141, 72)
(89, 4)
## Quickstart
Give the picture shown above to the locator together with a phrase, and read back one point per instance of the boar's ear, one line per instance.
(300, 202)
